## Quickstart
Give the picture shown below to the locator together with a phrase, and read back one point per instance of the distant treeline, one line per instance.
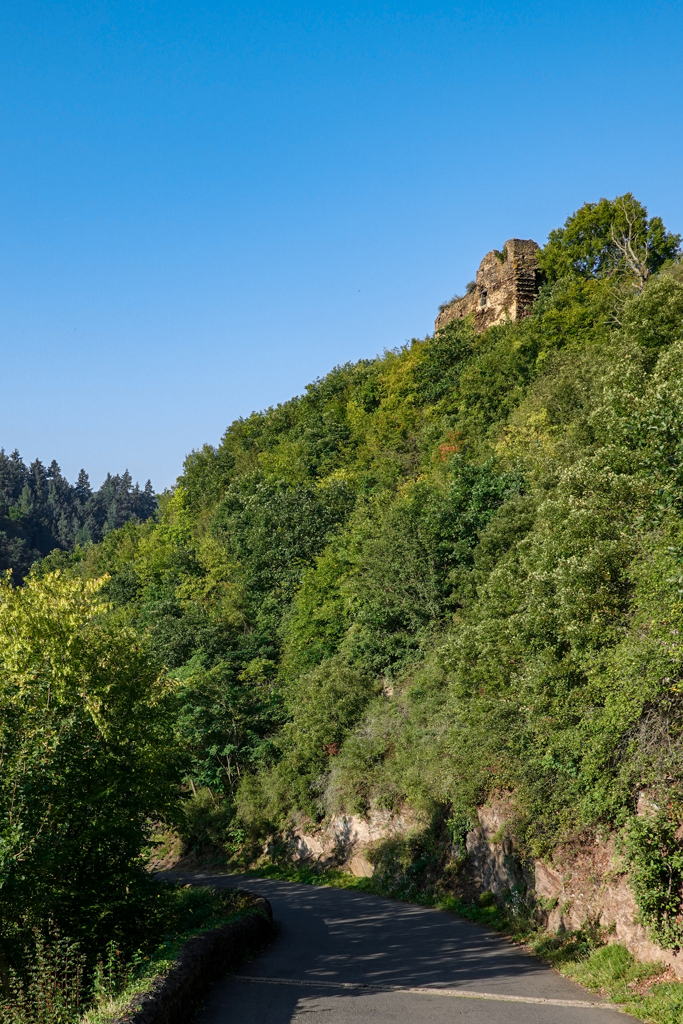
(40, 510)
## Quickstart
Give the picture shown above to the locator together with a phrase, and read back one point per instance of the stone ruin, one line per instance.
(505, 288)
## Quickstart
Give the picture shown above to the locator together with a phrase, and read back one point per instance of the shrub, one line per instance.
(654, 854)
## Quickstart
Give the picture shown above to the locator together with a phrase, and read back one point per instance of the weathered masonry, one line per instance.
(505, 288)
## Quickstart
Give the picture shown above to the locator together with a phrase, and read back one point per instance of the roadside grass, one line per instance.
(112, 1005)
(54, 992)
(646, 990)
(202, 909)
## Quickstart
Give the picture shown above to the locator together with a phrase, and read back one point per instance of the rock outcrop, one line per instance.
(579, 886)
(506, 285)
(344, 841)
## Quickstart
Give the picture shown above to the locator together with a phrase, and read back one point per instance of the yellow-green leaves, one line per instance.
(56, 649)
(42, 640)
(86, 754)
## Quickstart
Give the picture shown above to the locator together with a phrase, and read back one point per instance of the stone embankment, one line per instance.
(581, 885)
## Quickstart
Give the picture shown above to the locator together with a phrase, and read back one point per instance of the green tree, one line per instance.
(85, 762)
(608, 238)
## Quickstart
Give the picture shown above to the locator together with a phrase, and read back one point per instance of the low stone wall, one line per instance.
(202, 960)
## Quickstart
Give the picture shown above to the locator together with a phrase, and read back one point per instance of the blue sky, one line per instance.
(205, 206)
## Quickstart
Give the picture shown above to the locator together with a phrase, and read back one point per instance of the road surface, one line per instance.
(344, 957)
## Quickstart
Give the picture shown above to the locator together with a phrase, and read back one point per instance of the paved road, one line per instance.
(333, 945)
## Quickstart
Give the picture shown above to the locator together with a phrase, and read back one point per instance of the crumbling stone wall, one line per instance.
(506, 285)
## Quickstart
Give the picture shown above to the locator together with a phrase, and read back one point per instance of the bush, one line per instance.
(654, 854)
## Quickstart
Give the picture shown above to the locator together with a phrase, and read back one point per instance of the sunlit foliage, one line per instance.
(455, 568)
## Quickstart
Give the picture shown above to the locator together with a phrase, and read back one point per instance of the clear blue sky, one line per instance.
(205, 206)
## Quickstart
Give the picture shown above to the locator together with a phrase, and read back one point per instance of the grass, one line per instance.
(586, 956)
(111, 1007)
(59, 989)
(209, 909)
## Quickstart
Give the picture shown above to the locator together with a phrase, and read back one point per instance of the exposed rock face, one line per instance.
(346, 838)
(491, 859)
(588, 885)
(506, 285)
(578, 886)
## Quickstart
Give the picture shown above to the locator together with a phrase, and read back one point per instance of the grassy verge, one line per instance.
(645, 990)
(62, 986)
(206, 909)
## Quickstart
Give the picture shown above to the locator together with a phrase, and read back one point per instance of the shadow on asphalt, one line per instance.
(327, 935)
(331, 935)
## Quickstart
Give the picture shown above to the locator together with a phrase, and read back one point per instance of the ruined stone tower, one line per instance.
(507, 284)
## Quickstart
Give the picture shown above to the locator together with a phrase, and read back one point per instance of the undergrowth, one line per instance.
(58, 988)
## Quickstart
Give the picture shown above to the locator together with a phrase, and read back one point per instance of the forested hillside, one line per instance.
(451, 569)
(41, 511)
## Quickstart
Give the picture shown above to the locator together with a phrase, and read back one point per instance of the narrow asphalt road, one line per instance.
(343, 957)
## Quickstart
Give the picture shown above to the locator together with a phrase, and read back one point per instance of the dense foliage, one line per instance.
(452, 569)
(85, 722)
(447, 569)
(41, 511)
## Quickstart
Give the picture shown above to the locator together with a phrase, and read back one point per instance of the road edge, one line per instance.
(203, 959)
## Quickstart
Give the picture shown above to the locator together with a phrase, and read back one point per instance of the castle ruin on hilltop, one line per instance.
(505, 288)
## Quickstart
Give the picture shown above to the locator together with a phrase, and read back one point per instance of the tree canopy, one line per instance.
(40, 510)
(85, 762)
(608, 238)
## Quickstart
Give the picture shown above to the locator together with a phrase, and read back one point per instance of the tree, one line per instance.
(609, 238)
(40, 511)
(86, 760)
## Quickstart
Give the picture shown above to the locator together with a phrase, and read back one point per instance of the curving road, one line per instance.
(343, 957)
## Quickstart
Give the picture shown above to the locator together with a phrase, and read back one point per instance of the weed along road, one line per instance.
(341, 957)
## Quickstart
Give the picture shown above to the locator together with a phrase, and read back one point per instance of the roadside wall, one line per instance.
(175, 998)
